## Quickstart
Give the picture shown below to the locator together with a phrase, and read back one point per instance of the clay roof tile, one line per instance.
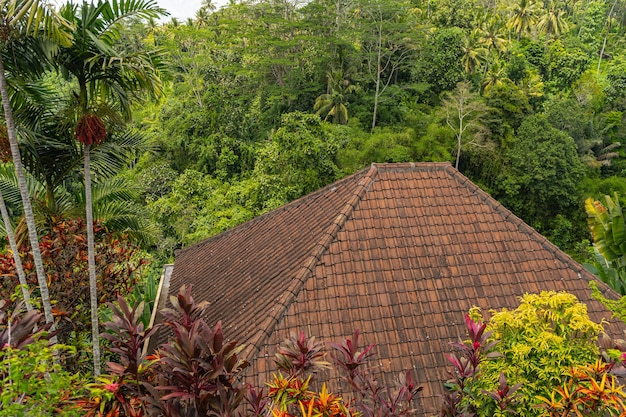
(400, 251)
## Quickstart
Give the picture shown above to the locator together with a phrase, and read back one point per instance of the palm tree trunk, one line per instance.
(28, 210)
(93, 288)
(21, 275)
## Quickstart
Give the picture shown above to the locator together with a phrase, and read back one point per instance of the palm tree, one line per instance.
(473, 53)
(523, 17)
(332, 104)
(208, 6)
(24, 19)
(495, 76)
(25, 113)
(492, 38)
(553, 22)
(109, 81)
(202, 17)
(54, 160)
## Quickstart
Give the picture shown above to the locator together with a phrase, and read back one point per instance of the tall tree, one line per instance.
(22, 19)
(523, 17)
(553, 21)
(441, 60)
(385, 43)
(473, 52)
(332, 103)
(607, 30)
(463, 112)
(491, 36)
(109, 81)
(543, 173)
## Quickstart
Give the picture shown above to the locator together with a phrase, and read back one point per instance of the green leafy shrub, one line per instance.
(32, 381)
(537, 344)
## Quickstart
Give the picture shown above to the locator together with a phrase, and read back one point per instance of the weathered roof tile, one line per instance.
(400, 251)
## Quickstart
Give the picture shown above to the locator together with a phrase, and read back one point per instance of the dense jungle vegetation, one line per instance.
(126, 135)
(189, 128)
(267, 101)
(263, 102)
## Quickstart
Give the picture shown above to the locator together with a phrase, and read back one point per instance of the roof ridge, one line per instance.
(523, 227)
(415, 166)
(306, 270)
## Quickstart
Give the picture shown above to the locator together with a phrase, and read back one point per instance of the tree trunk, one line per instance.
(93, 288)
(378, 75)
(21, 275)
(459, 143)
(28, 210)
(606, 35)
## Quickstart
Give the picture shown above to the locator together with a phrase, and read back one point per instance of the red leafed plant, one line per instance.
(300, 355)
(64, 252)
(5, 145)
(373, 399)
(121, 392)
(458, 400)
(197, 373)
(291, 396)
(90, 130)
(193, 374)
(196, 370)
(24, 328)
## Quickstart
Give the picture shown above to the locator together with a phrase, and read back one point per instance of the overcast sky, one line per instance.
(182, 9)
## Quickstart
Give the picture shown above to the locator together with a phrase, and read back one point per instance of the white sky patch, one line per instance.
(180, 9)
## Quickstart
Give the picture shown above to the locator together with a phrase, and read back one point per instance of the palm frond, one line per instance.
(121, 217)
(115, 189)
(115, 203)
(10, 189)
(110, 157)
(48, 156)
(120, 10)
(35, 18)
(28, 57)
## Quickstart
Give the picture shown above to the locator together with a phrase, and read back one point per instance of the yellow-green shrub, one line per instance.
(539, 342)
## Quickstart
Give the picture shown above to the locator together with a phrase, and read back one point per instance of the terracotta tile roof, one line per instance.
(399, 251)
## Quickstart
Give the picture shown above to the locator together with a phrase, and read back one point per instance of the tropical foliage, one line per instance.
(386, 75)
(33, 381)
(196, 372)
(525, 351)
(64, 253)
(165, 133)
(544, 358)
